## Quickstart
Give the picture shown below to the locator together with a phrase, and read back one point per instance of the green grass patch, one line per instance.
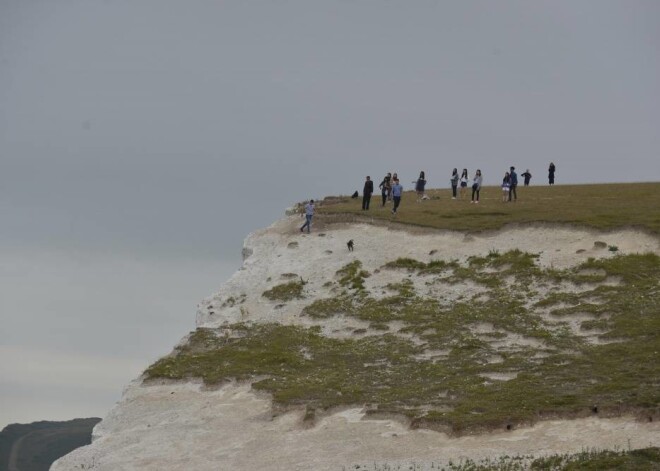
(645, 459)
(286, 291)
(352, 276)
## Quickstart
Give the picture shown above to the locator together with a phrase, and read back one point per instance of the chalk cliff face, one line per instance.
(186, 425)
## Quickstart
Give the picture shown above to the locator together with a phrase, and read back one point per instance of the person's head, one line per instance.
(478, 172)
(527, 171)
(513, 168)
(368, 178)
(506, 174)
(421, 174)
(455, 171)
(465, 172)
(395, 176)
(311, 201)
(396, 180)
(389, 174)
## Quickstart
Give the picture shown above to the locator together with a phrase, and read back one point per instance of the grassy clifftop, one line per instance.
(603, 206)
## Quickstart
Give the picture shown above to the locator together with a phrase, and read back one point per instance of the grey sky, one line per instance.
(141, 140)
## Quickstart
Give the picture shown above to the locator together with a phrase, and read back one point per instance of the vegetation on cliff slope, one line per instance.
(524, 348)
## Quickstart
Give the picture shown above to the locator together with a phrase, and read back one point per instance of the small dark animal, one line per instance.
(355, 195)
(349, 244)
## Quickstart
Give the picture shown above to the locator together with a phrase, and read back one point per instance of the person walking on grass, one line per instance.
(420, 184)
(366, 193)
(513, 184)
(476, 186)
(309, 213)
(527, 176)
(551, 174)
(397, 190)
(454, 183)
(506, 183)
(385, 186)
(464, 182)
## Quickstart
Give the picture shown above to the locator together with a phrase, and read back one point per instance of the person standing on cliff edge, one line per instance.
(309, 213)
(551, 174)
(513, 184)
(366, 193)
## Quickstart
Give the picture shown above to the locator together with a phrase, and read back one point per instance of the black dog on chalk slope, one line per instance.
(349, 244)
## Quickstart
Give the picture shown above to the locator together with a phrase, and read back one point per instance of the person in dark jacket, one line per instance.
(366, 193)
(420, 184)
(385, 187)
(528, 177)
(551, 174)
(513, 184)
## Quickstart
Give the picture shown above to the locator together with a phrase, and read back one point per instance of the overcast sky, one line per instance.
(141, 140)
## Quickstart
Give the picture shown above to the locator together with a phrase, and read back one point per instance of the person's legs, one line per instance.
(364, 201)
(474, 191)
(384, 195)
(368, 200)
(397, 200)
(308, 223)
(513, 190)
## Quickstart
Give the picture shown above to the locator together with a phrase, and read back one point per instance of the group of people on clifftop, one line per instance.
(390, 186)
(392, 190)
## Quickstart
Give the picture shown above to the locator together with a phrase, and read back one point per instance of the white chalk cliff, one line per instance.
(188, 426)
